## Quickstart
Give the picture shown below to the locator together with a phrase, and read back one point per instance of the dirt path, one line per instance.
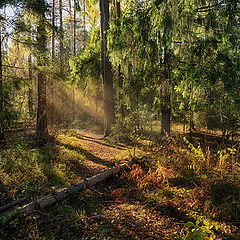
(100, 148)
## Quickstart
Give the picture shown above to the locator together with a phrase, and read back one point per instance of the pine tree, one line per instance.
(108, 93)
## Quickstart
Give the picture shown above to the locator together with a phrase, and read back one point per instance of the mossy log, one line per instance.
(61, 194)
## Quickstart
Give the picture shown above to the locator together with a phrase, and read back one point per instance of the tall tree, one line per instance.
(61, 36)
(74, 28)
(108, 93)
(53, 31)
(165, 94)
(1, 93)
(30, 87)
(119, 73)
(42, 127)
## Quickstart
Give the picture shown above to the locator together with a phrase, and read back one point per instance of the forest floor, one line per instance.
(159, 198)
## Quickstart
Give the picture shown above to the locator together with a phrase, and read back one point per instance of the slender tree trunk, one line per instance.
(42, 128)
(191, 121)
(166, 96)
(108, 93)
(191, 113)
(61, 37)
(30, 88)
(52, 85)
(53, 32)
(84, 23)
(71, 25)
(73, 52)
(1, 94)
(119, 73)
(74, 29)
(166, 114)
(73, 104)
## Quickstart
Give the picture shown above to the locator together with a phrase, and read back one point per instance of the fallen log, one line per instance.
(12, 204)
(61, 194)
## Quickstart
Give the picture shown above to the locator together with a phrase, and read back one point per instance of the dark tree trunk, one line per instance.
(1, 94)
(71, 25)
(42, 128)
(74, 29)
(61, 37)
(51, 108)
(30, 88)
(53, 32)
(191, 113)
(166, 114)
(108, 93)
(84, 23)
(73, 50)
(119, 73)
(166, 96)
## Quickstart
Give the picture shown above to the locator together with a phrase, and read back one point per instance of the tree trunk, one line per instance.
(61, 37)
(42, 128)
(1, 94)
(166, 114)
(73, 104)
(84, 23)
(53, 32)
(191, 122)
(74, 29)
(119, 73)
(73, 50)
(108, 93)
(52, 90)
(166, 96)
(30, 88)
(71, 25)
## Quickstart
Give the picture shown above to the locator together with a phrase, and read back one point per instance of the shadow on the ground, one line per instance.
(100, 141)
(87, 154)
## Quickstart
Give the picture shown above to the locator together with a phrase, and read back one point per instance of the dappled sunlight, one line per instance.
(97, 151)
(137, 222)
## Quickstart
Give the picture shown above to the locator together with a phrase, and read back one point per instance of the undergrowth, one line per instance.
(199, 185)
(190, 181)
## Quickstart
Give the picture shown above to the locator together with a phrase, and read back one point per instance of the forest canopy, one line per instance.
(175, 62)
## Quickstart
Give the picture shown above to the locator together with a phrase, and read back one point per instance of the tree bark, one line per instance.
(84, 23)
(42, 127)
(166, 115)
(166, 96)
(1, 94)
(52, 83)
(53, 32)
(108, 93)
(119, 73)
(74, 29)
(71, 25)
(61, 37)
(30, 88)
